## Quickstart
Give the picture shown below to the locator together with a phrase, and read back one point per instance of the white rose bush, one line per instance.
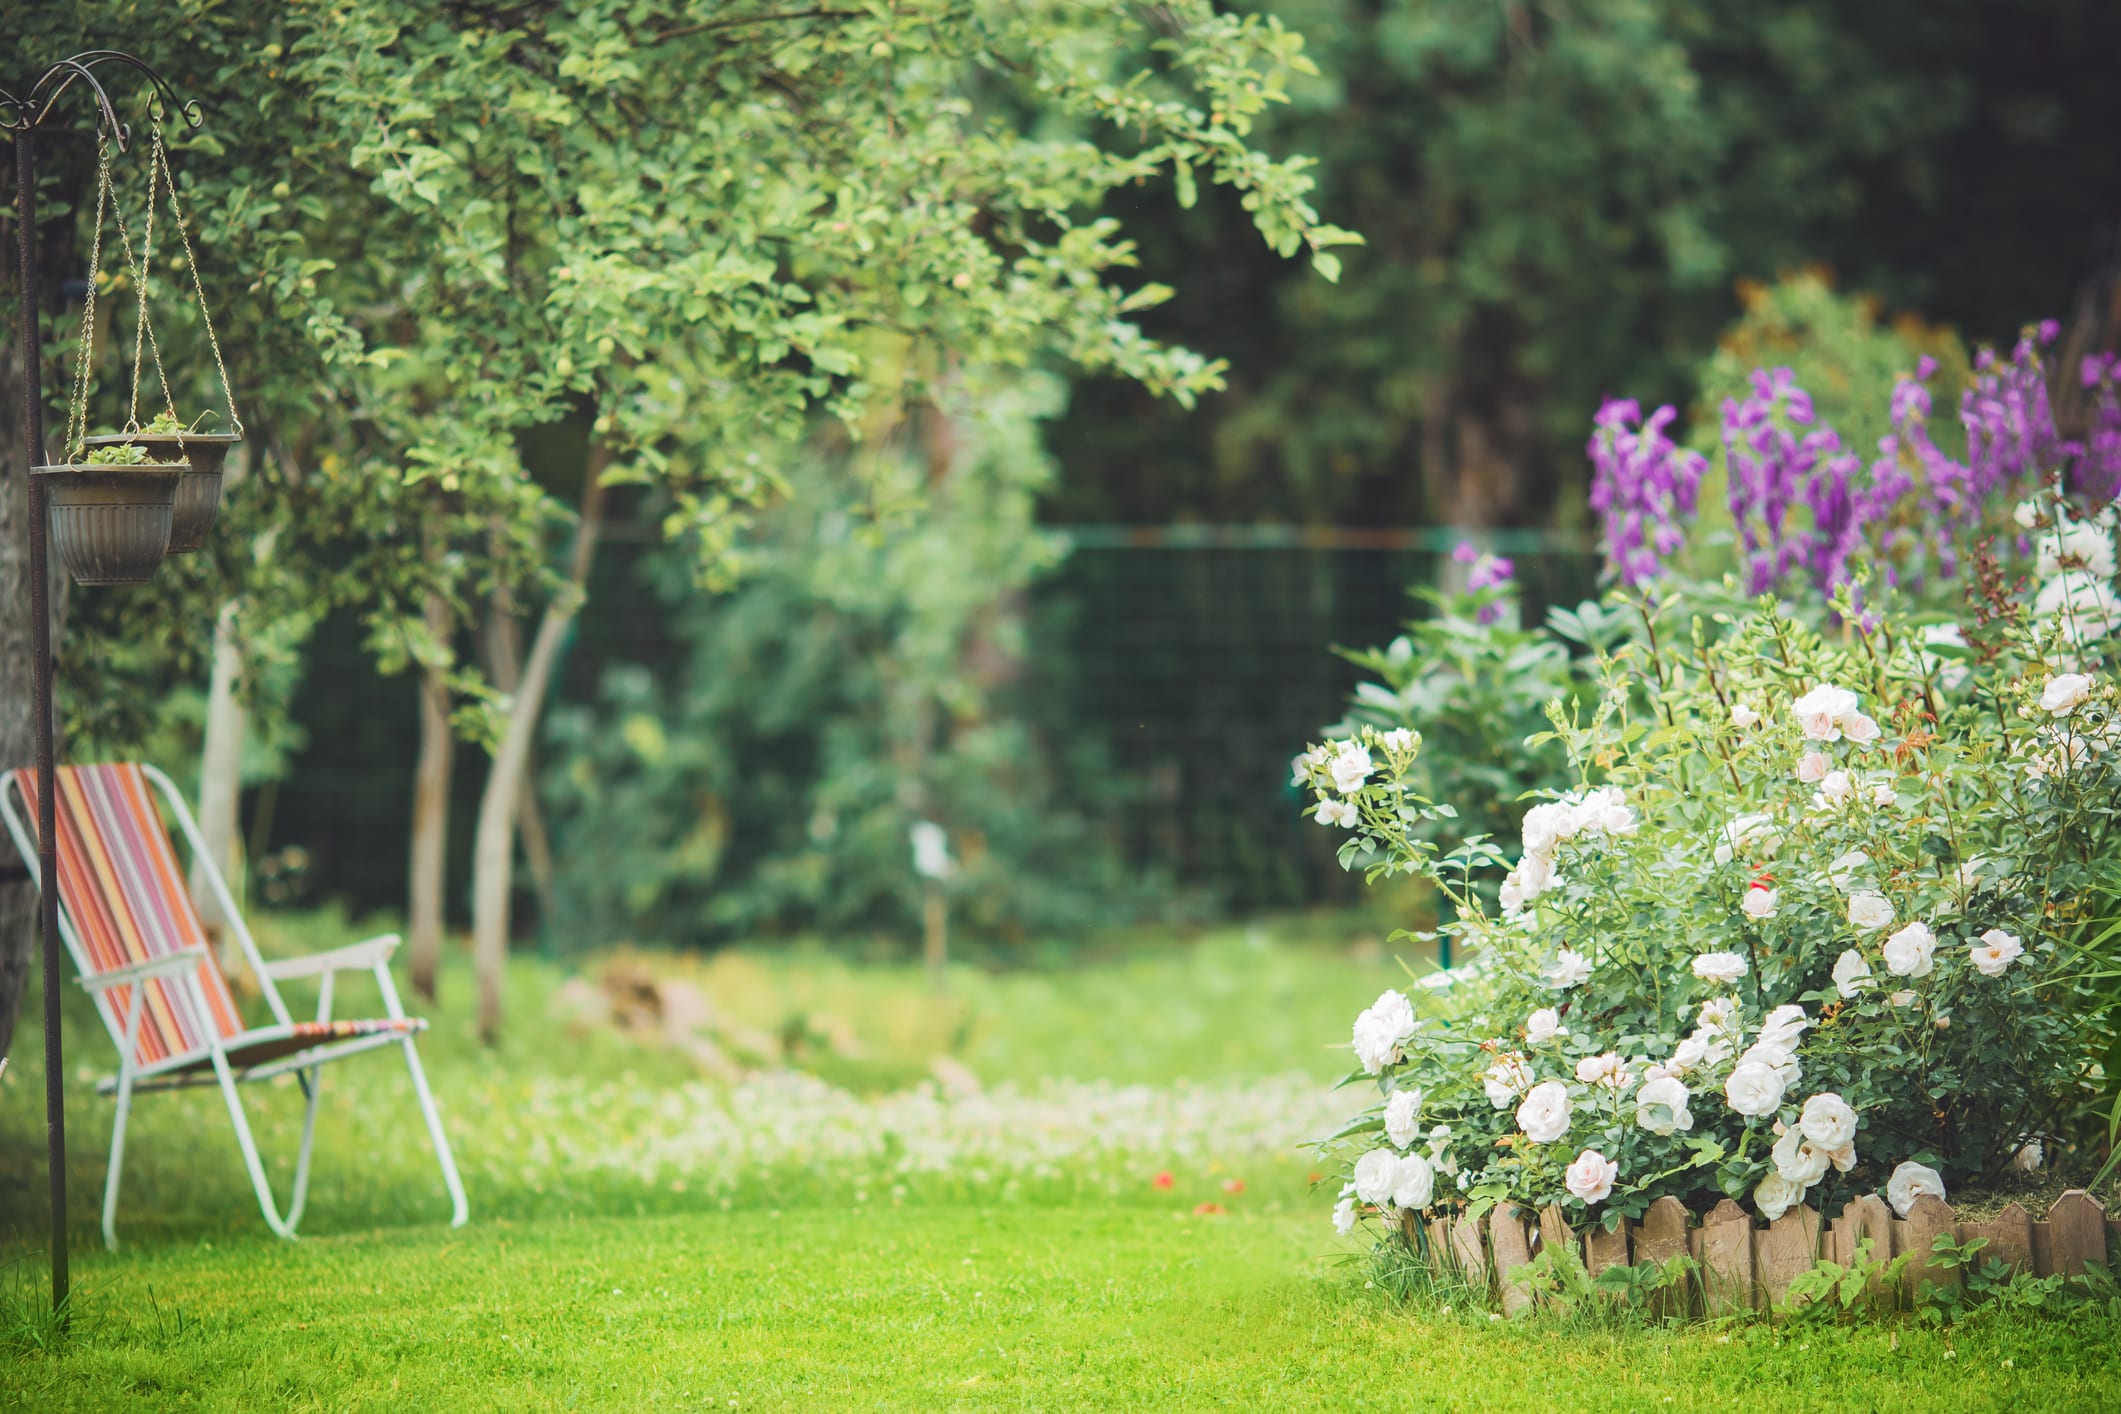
(1798, 931)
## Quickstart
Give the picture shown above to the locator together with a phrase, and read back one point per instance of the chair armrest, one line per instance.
(354, 957)
(173, 965)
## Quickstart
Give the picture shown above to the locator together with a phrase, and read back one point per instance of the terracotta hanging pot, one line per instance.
(198, 490)
(111, 524)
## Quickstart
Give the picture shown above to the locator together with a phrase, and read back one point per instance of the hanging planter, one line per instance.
(198, 489)
(128, 498)
(111, 520)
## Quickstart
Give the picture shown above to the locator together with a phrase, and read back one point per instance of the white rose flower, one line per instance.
(1399, 741)
(1533, 876)
(1780, 1059)
(1413, 1183)
(1859, 729)
(1755, 834)
(1344, 1216)
(1783, 1026)
(1901, 998)
(1719, 1016)
(1339, 812)
(1995, 951)
(1754, 1089)
(1350, 768)
(1836, 789)
(1544, 1115)
(1568, 969)
(1759, 903)
(1798, 1160)
(1845, 870)
(1819, 712)
(1851, 973)
(1544, 1025)
(1870, 911)
(1591, 1177)
(1440, 1150)
(1720, 967)
(1608, 1070)
(1776, 1195)
(1828, 1121)
(1300, 769)
(1661, 1105)
(1606, 811)
(1882, 793)
(1909, 1182)
(1403, 1117)
(1506, 1079)
(1813, 766)
(1743, 717)
(1382, 1030)
(2065, 693)
(1546, 825)
(1691, 1052)
(1910, 952)
(1375, 1174)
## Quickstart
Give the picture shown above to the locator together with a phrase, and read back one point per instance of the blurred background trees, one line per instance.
(913, 494)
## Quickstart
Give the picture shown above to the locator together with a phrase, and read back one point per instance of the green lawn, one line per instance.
(644, 1238)
(935, 1307)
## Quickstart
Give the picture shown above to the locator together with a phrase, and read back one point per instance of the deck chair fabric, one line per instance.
(128, 921)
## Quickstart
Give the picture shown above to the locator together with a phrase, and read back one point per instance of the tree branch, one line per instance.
(703, 26)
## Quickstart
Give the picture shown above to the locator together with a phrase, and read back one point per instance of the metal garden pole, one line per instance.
(21, 118)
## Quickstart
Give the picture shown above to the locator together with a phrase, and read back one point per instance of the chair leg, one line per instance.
(117, 1157)
(315, 1087)
(249, 1147)
(460, 1209)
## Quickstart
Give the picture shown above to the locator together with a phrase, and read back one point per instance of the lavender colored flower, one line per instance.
(1642, 485)
(2098, 472)
(1909, 448)
(1770, 465)
(2011, 437)
(1487, 572)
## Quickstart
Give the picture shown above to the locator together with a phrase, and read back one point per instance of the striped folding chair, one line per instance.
(128, 920)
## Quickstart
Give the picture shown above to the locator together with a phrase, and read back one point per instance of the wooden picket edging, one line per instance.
(1746, 1265)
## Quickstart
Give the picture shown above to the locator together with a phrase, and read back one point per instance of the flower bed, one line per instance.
(1807, 937)
(1742, 1265)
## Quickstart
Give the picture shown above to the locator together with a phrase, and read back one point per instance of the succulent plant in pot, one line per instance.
(111, 512)
(202, 454)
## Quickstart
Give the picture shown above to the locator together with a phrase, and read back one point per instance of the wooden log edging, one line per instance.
(1747, 1266)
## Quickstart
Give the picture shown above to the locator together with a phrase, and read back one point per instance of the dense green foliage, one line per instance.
(435, 231)
(1557, 200)
(866, 674)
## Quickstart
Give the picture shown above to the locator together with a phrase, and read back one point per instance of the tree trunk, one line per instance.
(491, 852)
(426, 889)
(504, 654)
(221, 765)
(64, 180)
(221, 791)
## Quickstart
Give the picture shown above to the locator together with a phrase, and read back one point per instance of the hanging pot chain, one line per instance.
(140, 280)
(160, 158)
(77, 404)
(144, 330)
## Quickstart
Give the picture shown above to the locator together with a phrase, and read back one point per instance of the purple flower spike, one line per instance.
(1487, 572)
(2098, 471)
(1642, 485)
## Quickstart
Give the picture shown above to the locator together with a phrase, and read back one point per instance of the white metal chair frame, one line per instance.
(181, 1071)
